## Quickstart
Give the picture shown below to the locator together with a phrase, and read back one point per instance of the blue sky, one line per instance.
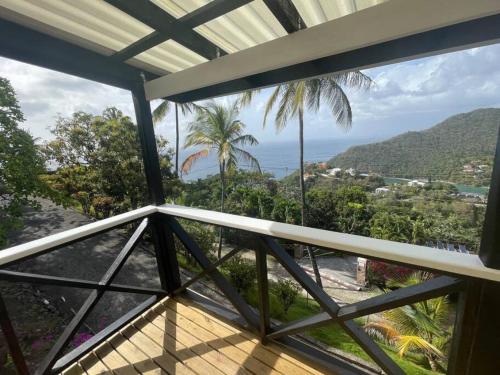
(406, 96)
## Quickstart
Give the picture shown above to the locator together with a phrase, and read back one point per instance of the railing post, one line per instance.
(476, 337)
(263, 290)
(162, 235)
(11, 339)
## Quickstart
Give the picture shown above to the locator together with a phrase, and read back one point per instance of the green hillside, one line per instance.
(441, 152)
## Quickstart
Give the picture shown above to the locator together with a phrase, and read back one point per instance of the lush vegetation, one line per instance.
(99, 163)
(20, 164)
(453, 150)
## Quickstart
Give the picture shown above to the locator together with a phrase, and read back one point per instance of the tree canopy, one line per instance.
(20, 163)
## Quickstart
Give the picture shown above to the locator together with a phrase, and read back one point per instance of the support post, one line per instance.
(489, 251)
(476, 338)
(11, 339)
(163, 238)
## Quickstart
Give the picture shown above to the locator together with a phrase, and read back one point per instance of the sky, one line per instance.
(407, 96)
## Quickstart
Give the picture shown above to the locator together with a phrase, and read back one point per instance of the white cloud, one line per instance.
(411, 95)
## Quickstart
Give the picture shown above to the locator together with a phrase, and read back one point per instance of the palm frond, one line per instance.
(161, 111)
(188, 163)
(382, 331)
(246, 97)
(412, 343)
(249, 158)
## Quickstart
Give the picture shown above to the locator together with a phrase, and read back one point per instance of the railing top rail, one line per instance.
(38, 246)
(421, 256)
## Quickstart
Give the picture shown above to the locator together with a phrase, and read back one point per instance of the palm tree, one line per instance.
(420, 327)
(217, 129)
(294, 98)
(160, 113)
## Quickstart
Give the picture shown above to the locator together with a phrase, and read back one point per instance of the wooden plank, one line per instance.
(142, 363)
(75, 369)
(223, 346)
(93, 365)
(271, 354)
(199, 359)
(114, 361)
(156, 352)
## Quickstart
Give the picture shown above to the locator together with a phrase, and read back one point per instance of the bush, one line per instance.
(203, 235)
(286, 291)
(275, 307)
(240, 272)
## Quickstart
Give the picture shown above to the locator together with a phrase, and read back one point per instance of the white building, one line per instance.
(351, 171)
(382, 190)
(416, 183)
(334, 171)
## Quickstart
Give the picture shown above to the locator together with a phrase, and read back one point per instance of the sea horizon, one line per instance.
(280, 158)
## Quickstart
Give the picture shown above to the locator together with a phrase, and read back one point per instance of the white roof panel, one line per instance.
(170, 56)
(315, 12)
(93, 20)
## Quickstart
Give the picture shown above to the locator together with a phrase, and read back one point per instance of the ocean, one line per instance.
(278, 158)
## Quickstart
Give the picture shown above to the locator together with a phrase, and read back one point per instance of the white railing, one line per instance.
(419, 256)
(38, 246)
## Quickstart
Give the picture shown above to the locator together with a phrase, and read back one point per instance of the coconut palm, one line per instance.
(294, 98)
(216, 128)
(420, 327)
(160, 113)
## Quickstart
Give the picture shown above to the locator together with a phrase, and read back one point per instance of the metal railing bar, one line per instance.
(389, 251)
(263, 290)
(433, 288)
(75, 283)
(55, 241)
(332, 308)
(11, 339)
(429, 289)
(91, 301)
(206, 271)
(88, 345)
(226, 288)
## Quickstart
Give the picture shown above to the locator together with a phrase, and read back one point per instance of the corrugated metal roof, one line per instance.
(103, 25)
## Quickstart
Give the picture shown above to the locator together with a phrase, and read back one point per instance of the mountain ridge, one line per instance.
(443, 151)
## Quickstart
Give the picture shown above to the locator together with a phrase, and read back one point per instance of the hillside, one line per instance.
(452, 150)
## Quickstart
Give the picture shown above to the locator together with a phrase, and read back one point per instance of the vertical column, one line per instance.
(262, 281)
(11, 339)
(476, 337)
(163, 238)
(489, 251)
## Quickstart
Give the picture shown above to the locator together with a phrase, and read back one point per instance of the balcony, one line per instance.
(128, 44)
(177, 330)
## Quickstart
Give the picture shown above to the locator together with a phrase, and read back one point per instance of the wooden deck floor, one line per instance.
(177, 337)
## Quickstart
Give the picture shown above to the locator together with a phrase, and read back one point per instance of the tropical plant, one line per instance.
(420, 327)
(160, 113)
(20, 163)
(216, 128)
(295, 97)
(240, 272)
(286, 291)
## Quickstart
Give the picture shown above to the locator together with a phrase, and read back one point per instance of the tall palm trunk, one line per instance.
(176, 140)
(303, 198)
(223, 187)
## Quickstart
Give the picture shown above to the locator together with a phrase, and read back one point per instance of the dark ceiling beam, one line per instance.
(167, 26)
(287, 15)
(204, 14)
(455, 37)
(29, 46)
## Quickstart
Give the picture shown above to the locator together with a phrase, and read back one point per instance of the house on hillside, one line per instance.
(382, 190)
(334, 171)
(351, 171)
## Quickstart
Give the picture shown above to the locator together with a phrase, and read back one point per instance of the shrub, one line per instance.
(240, 272)
(286, 291)
(275, 307)
(203, 235)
